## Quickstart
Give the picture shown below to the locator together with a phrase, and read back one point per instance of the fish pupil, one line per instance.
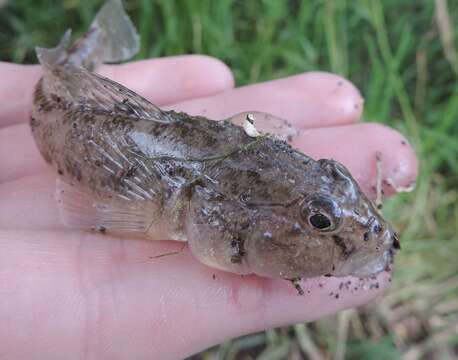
(320, 221)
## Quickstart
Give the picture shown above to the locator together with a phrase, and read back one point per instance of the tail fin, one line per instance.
(111, 38)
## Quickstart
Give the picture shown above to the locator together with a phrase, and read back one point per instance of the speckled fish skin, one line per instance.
(244, 204)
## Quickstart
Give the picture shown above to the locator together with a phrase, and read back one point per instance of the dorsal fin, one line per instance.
(81, 90)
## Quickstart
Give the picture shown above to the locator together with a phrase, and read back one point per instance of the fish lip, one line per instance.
(371, 267)
(382, 263)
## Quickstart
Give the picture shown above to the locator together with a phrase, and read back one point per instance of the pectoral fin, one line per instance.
(85, 211)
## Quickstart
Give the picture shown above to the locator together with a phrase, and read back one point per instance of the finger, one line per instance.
(173, 79)
(306, 100)
(16, 92)
(356, 147)
(19, 155)
(353, 145)
(163, 81)
(29, 203)
(97, 297)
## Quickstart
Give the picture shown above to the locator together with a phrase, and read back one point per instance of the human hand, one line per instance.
(67, 294)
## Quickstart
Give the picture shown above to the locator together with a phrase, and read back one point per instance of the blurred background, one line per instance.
(402, 56)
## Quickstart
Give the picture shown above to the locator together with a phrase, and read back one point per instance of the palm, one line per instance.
(66, 292)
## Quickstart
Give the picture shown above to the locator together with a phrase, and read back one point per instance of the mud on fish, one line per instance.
(234, 189)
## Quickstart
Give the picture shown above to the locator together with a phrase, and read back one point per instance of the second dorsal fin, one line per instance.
(111, 38)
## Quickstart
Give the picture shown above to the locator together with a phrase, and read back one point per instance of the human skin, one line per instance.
(76, 295)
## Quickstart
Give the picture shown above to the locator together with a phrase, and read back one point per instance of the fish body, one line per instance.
(246, 202)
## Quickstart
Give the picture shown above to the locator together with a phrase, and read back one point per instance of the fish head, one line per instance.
(330, 229)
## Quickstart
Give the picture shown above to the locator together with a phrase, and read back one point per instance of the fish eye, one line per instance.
(320, 221)
(322, 213)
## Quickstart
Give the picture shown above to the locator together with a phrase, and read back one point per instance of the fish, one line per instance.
(235, 190)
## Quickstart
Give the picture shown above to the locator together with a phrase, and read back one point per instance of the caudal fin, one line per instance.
(111, 38)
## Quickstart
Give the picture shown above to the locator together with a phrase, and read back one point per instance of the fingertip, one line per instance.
(214, 71)
(356, 147)
(401, 165)
(335, 97)
(398, 159)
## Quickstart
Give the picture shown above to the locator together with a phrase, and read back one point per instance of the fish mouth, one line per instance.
(366, 265)
(375, 259)
(383, 261)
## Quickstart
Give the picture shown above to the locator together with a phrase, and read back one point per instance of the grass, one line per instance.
(402, 56)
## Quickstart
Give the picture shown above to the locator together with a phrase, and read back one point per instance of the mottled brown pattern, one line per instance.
(243, 203)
